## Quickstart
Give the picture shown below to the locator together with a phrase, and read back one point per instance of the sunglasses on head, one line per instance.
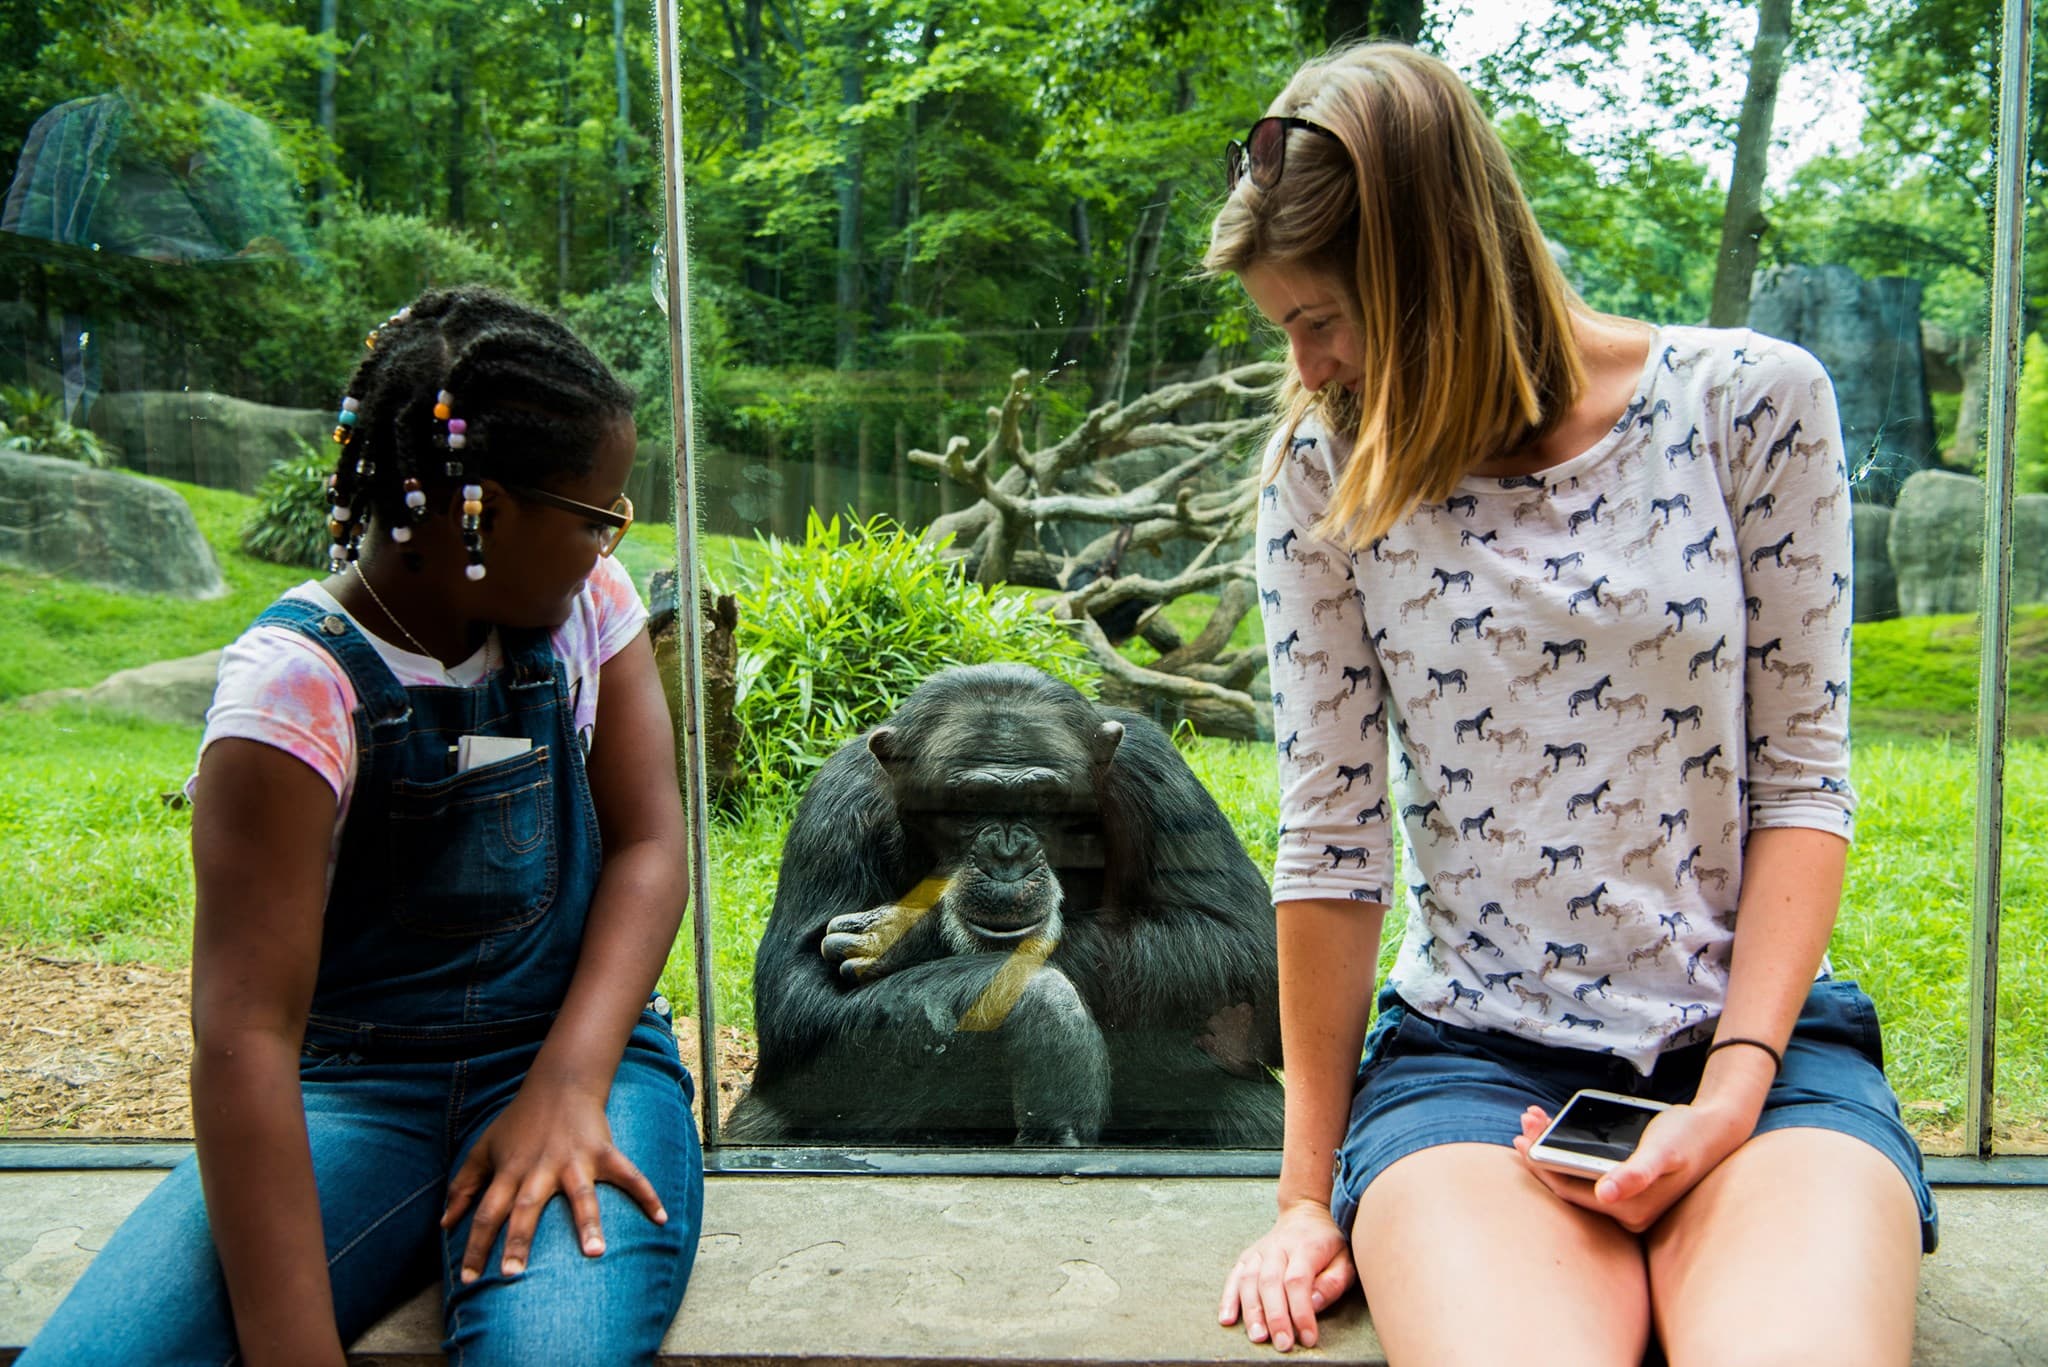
(1262, 154)
(618, 517)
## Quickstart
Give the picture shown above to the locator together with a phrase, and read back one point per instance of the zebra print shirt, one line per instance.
(1539, 686)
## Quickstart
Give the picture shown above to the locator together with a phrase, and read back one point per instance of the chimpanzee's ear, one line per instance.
(1102, 745)
(882, 744)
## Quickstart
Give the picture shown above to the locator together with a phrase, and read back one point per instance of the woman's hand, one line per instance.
(548, 1140)
(1680, 1146)
(1300, 1266)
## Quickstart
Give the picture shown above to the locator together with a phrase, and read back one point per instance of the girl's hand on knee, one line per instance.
(546, 1142)
(1681, 1146)
(1301, 1266)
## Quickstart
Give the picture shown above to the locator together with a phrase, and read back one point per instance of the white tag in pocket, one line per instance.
(474, 752)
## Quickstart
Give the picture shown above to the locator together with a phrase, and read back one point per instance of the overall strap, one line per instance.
(378, 693)
(529, 657)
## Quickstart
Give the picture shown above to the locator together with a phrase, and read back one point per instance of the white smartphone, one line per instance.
(1594, 1133)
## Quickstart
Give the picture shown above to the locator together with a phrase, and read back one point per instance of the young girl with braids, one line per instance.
(1576, 590)
(438, 849)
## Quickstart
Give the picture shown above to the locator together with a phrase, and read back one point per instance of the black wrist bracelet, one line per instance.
(1777, 1059)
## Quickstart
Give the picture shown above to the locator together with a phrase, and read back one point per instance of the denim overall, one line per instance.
(452, 929)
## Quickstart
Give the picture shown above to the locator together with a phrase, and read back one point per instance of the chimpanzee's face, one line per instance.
(1003, 804)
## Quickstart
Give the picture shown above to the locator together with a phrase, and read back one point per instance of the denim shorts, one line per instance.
(1424, 1083)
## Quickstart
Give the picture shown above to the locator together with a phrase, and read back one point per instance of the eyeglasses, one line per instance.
(1263, 153)
(618, 517)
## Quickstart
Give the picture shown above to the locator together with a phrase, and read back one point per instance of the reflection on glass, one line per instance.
(204, 204)
(929, 254)
(917, 296)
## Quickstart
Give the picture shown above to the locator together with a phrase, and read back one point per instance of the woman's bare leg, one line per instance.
(1803, 1246)
(1467, 1259)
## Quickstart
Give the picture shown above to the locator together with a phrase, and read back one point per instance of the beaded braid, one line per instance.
(348, 488)
(527, 380)
(454, 438)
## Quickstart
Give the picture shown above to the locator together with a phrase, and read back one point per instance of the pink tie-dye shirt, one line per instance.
(278, 687)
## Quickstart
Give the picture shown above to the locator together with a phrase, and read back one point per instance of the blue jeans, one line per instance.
(387, 1134)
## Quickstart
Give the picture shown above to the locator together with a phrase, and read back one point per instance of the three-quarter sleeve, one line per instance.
(1330, 712)
(1787, 480)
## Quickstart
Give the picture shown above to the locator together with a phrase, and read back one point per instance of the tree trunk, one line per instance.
(848, 291)
(1742, 222)
(565, 212)
(330, 71)
(622, 171)
(458, 117)
(1144, 265)
(1088, 318)
(1344, 21)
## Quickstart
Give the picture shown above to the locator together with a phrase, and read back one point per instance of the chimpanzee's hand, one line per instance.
(859, 943)
(854, 942)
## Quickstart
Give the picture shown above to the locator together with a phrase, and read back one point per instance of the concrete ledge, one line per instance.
(1018, 1271)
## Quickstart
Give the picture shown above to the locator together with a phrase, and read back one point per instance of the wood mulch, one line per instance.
(97, 1049)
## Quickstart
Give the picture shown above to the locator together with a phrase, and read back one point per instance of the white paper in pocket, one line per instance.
(474, 752)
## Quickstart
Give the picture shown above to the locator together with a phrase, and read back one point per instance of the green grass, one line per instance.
(95, 857)
(1919, 674)
(97, 862)
(63, 634)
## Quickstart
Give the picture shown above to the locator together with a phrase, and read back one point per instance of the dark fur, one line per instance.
(1155, 1020)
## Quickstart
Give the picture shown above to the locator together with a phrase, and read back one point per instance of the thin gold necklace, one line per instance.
(392, 617)
(389, 615)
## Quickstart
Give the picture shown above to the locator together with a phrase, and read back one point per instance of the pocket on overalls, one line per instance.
(474, 854)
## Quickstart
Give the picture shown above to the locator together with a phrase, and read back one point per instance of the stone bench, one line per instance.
(1014, 1270)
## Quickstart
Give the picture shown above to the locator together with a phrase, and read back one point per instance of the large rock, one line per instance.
(169, 690)
(2030, 548)
(1867, 334)
(1937, 541)
(1877, 588)
(102, 526)
(212, 439)
(1937, 538)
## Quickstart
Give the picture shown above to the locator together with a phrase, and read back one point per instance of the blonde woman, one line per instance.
(1531, 511)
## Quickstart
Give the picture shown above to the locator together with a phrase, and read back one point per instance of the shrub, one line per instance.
(32, 421)
(288, 525)
(838, 629)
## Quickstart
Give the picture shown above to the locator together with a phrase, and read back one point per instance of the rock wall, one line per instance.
(212, 439)
(1867, 334)
(102, 526)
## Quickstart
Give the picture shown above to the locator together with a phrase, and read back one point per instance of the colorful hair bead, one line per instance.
(472, 529)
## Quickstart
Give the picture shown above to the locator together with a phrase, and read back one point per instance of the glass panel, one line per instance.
(1905, 338)
(891, 218)
(207, 205)
(927, 251)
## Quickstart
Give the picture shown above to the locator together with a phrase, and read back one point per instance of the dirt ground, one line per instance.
(88, 1048)
(93, 1049)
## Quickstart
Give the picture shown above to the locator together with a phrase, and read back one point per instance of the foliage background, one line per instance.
(893, 206)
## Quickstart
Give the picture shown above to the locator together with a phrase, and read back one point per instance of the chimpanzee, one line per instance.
(1009, 914)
